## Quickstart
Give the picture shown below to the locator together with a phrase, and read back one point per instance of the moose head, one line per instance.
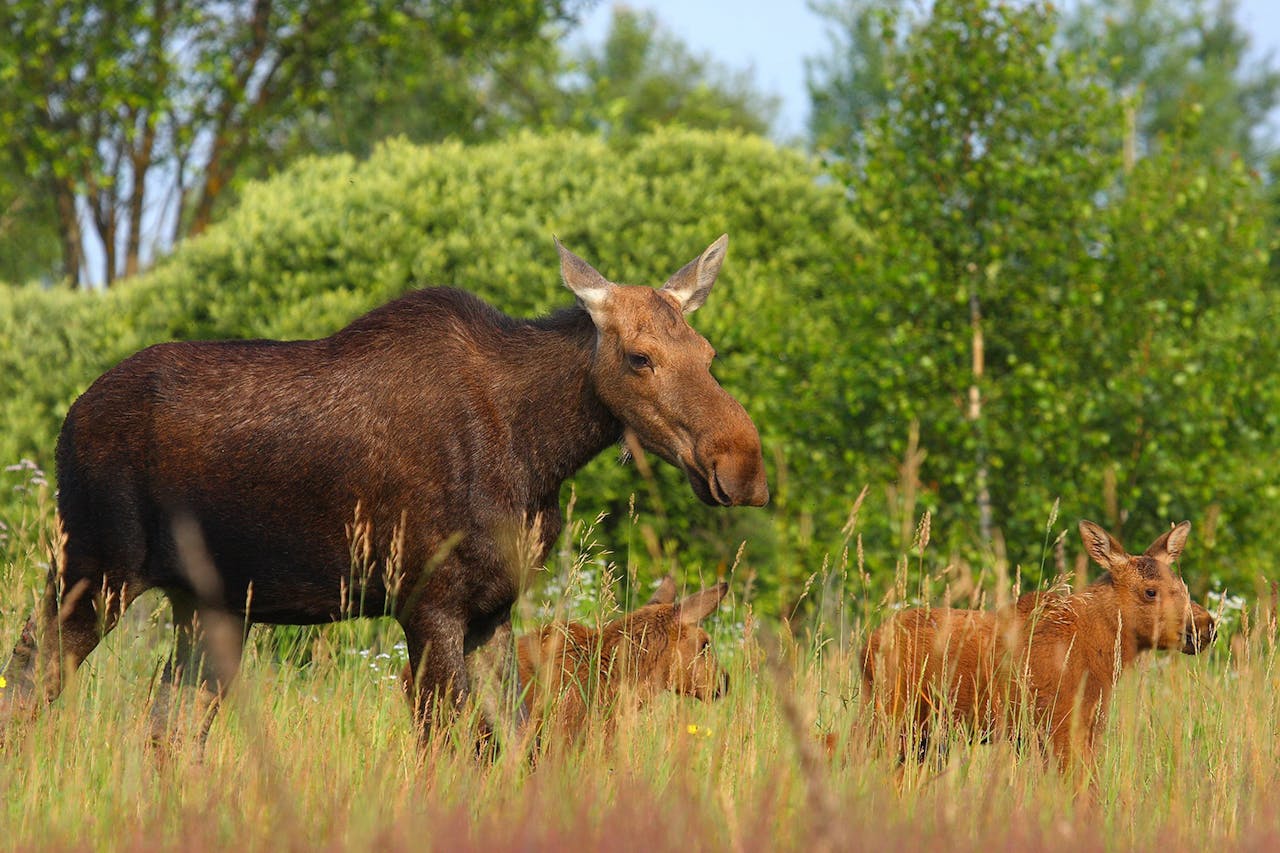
(653, 372)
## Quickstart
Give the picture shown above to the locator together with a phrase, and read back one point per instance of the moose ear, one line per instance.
(1102, 546)
(692, 283)
(694, 608)
(665, 593)
(592, 289)
(1168, 547)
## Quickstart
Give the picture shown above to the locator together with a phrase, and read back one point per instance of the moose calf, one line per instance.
(1051, 660)
(566, 668)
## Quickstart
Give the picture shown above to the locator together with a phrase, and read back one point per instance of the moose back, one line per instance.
(410, 463)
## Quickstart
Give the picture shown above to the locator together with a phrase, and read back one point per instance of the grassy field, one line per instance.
(314, 749)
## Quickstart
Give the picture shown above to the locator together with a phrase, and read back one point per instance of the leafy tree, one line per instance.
(851, 85)
(1186, 63)
(1059, 326)
(141, 113)
(475, 72)
(642, 78)
(27, 224)
(982, 175)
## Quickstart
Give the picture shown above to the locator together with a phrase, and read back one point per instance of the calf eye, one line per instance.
(1151, 593)
(639, 361)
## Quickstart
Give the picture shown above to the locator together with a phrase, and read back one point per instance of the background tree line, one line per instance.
(1024, 259)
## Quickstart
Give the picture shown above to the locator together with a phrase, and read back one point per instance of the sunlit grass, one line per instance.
(314, 748)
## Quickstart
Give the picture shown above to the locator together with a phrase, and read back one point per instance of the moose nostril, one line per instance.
(740, 479)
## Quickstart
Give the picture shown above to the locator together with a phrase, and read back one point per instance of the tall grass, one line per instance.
(314, 747)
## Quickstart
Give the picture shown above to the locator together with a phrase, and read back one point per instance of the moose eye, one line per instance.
(639, 361)
(1151, 594)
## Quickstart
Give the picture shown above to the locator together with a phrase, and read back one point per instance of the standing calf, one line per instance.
(1051, 660)
(429, 438)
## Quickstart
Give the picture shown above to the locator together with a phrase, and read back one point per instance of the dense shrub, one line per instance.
(1124, 377)
(311, 249)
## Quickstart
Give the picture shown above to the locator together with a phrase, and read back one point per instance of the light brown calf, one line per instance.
(567, 668)
(1050, 660)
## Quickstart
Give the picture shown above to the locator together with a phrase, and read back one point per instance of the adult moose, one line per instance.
(435, 430)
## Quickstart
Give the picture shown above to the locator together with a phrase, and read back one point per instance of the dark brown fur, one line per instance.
(409, 464)
(1051, 660)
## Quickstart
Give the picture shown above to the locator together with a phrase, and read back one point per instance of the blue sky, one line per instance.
(773, 37)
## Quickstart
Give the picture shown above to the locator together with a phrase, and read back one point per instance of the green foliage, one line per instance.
(642, 78)
(28, 248)
(470, 71)
(850, 85)
(307, 251)
(1186, 61)
(1112, 306)
(120, 107)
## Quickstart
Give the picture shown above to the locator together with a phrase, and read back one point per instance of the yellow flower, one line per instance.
(692, 729)
(3, 682)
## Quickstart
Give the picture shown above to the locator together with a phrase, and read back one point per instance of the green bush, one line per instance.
(1124, 378)
(308, 251)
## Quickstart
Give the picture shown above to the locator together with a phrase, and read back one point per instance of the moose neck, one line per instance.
(1098, 605)
(559, 422)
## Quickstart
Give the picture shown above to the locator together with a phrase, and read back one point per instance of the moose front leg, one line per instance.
(436, 677)
(208, 646)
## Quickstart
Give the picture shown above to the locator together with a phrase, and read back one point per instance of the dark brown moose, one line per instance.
(409, 464)
(1049, 660)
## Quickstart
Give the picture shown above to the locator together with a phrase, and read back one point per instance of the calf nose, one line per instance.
(1199, 633)
(722, 685)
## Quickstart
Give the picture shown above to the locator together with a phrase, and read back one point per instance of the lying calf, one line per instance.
(566, 668)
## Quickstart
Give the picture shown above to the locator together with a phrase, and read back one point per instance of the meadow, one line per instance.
(314, 747)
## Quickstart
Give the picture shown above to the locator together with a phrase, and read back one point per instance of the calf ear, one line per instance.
(1102, 546)
(692, 283)
(665, 593)
(700, 605)
(592, 289)
(1168, 547)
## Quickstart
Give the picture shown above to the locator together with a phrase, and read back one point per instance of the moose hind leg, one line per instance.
(17, 683)
(209, 643)
(75, 612)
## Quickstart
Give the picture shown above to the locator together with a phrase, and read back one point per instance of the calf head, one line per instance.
(653, 371)
(669, 650)
(1153, 600)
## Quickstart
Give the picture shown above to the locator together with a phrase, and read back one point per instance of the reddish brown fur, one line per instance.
(434, 431)
(1049, 659)
(567, 668)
